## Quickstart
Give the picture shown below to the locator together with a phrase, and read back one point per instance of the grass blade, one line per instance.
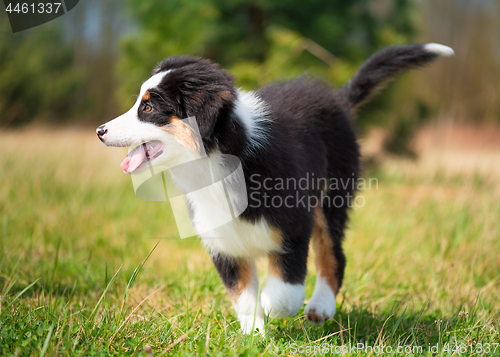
(135, 274)
(138, 269)
(6, 292)
(47, 340)
(21, 293)
(104, 294)
(396, 325)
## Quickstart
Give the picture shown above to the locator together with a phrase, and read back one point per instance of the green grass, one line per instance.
(80, 274)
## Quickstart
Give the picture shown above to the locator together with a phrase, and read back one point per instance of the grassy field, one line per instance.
(80, 274)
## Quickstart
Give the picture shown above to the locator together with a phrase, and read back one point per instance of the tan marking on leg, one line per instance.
(277, 238)
(325, 261)
(146, 96)
(183, 133)
(274, 266)
(244, 278)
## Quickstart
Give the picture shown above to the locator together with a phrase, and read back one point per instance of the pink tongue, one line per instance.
(134, 159)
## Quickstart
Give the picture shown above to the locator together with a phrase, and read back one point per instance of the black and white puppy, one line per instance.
(285, 132)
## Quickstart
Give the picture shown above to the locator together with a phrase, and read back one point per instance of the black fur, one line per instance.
(228, 269)
(198, 88)
(382, 66)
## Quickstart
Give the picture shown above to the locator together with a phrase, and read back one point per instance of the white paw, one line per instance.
(280, 299)
(321, 306)
(249, 310)
(317, 313)
(249, 323)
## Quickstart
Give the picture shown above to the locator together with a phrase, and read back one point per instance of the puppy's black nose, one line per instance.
(101, 131)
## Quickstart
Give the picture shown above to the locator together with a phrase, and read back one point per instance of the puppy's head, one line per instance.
(178, 88)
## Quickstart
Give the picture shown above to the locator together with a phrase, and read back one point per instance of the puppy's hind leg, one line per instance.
(330, 263)
(239, 275)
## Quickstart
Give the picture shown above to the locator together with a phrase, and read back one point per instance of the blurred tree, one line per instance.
(67, 70)
(36, 76)
(261, 41)
(465, 88)
(62, 70)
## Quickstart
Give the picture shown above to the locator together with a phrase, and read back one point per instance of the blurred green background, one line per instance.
(85, 67)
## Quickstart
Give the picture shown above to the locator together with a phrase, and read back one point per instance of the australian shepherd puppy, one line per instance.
(292, 131)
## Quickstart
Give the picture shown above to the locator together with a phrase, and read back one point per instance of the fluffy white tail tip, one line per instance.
(440, 50)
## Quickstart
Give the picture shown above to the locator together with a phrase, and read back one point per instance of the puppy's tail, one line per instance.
(387, 63)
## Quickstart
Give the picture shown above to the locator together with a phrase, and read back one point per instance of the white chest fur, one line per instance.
(224, 233)
(240, 238)
(216, 209)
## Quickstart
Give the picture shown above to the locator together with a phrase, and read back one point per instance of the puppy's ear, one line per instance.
(200, 89)
(208, 105)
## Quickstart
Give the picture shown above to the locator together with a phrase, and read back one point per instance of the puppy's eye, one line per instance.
(148, 108)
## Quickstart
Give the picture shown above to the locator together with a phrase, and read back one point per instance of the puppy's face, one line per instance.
(155, 127)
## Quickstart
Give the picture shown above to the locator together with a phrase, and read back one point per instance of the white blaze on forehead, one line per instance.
(127, 129)
(152, 82)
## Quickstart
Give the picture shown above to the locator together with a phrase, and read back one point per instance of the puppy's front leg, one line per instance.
(283, 294)
(239, 275)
